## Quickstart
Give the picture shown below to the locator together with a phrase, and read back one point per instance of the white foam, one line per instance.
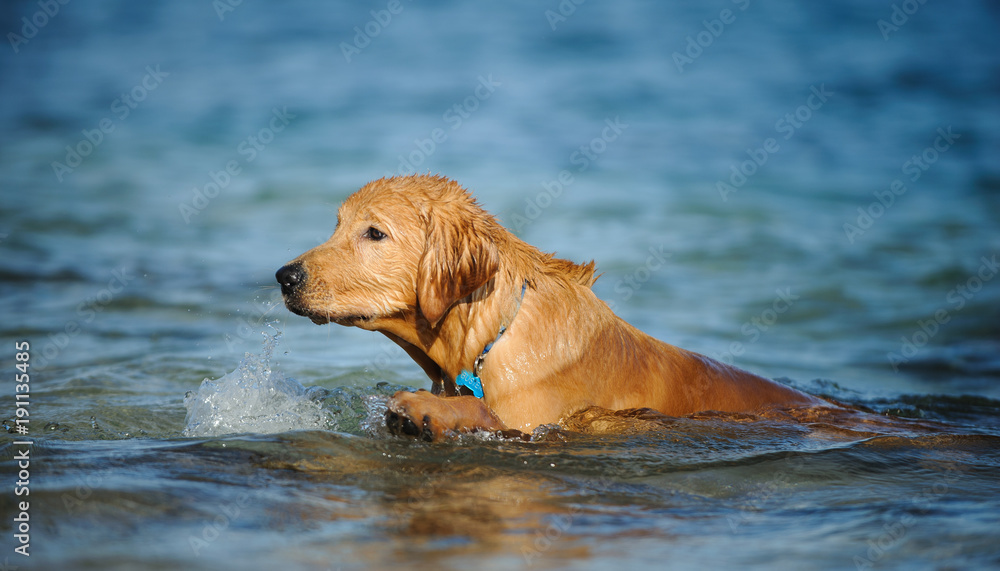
(254, 399)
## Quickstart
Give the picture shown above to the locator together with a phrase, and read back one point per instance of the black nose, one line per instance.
(290, 277)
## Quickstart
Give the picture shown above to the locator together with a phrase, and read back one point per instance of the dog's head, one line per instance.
(404, 247)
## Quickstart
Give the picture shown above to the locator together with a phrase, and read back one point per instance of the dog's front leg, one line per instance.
(431, 417)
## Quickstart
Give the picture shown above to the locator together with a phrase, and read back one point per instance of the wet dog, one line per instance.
(511, 338)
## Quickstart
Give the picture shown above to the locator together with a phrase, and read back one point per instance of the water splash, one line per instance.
(361, 410)
(254, 398)
(373, 422)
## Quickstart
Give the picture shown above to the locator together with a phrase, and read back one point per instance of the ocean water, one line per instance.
(808, 190)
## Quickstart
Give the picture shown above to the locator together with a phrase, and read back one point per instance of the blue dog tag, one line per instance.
(471, 382)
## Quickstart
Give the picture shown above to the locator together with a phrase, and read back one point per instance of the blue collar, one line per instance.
(471, 380)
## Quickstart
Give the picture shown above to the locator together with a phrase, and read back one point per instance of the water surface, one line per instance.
(215, 146)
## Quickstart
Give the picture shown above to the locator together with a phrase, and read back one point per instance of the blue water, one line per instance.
(711, 157)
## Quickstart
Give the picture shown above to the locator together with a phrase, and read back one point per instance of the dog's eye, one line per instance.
(374, 233)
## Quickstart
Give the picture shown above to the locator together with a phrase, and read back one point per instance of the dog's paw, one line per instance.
(418, 415)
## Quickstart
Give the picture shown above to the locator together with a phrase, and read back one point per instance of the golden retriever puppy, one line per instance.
(510, 337)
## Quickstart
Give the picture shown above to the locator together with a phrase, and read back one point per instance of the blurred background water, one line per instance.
(159, 161)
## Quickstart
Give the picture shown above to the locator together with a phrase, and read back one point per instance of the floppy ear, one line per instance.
(459, 257)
